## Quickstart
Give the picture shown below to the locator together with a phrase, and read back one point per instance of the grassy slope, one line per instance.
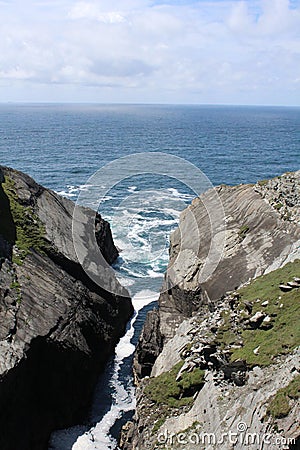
(284, 310)
(165, 395)
(281, 403)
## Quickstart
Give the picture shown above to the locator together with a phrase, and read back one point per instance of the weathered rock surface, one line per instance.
(57, 327)
(282, 194)
(202, 321)
(253, 238)
(219, 410)
(149, 346)
(232, 397)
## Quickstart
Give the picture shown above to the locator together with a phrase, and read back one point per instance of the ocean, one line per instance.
(140, 166)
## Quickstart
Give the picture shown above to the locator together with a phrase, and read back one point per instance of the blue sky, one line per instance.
(142, 51)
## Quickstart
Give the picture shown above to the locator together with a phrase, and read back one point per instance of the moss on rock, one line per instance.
(30, 232)
(281, 404)
(284, 310)
(164, 389)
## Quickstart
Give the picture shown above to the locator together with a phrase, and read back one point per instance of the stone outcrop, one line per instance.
(256, 238)
(57, 327)
(149, 346)
(225, 324)
(234, 393)
(282, 194)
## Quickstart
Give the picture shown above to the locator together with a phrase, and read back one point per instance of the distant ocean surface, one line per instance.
(62, 146)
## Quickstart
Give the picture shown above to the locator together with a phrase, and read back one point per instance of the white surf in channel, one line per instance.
(123, 400)
(141, 224)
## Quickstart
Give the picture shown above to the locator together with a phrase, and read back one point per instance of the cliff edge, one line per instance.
(217, 365)
(57, 327)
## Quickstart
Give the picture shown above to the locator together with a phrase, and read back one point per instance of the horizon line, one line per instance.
(12, 102)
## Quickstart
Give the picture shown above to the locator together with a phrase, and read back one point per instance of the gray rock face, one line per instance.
(258, 237)
(282, 194)
(255, 236)
(241, 411)
(57, 327)
(149, 345)
(230, 396)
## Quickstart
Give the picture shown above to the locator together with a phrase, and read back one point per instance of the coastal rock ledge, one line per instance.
(57, 327)
(217, 364)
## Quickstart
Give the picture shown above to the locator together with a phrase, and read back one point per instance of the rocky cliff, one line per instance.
(57, 327)
(217, 365)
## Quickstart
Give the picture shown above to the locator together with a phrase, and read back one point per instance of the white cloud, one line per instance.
(92, 11)
(136, 50)
(273, 18)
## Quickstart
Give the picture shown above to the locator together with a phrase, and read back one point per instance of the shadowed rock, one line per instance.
(57, 326)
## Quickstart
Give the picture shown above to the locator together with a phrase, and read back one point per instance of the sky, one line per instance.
(142, 51)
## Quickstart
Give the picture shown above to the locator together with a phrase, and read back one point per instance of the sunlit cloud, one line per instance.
(83, 10)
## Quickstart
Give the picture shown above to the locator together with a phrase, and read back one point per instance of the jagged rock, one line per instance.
(248, 307)
(267, 323)
(256, 320)
(256, 350)
(282, 194)
(235, 371)
(259, 238)
(267, 319)
(265, 303)
(220, 408)
(149, 345)
(271, 239)
(187, 367)
(126, 435)
(293, 284)
(57, 327)
(239, 378)
(285, 288)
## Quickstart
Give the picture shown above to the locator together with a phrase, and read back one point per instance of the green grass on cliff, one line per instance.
(7, 228)
(284, 310)
(281, 403)
(165, 390)
(30, 233)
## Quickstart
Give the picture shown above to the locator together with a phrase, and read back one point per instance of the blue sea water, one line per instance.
(62, 146)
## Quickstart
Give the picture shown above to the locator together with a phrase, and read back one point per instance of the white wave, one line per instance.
(153, 274)
(156, 223)
(124, 347)
(84, 187)
(144, 298)
(64, 194)
(133, 274)
(180, 195)
(132, 188)
(123, 400)
(71, 191)
(106, 198)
